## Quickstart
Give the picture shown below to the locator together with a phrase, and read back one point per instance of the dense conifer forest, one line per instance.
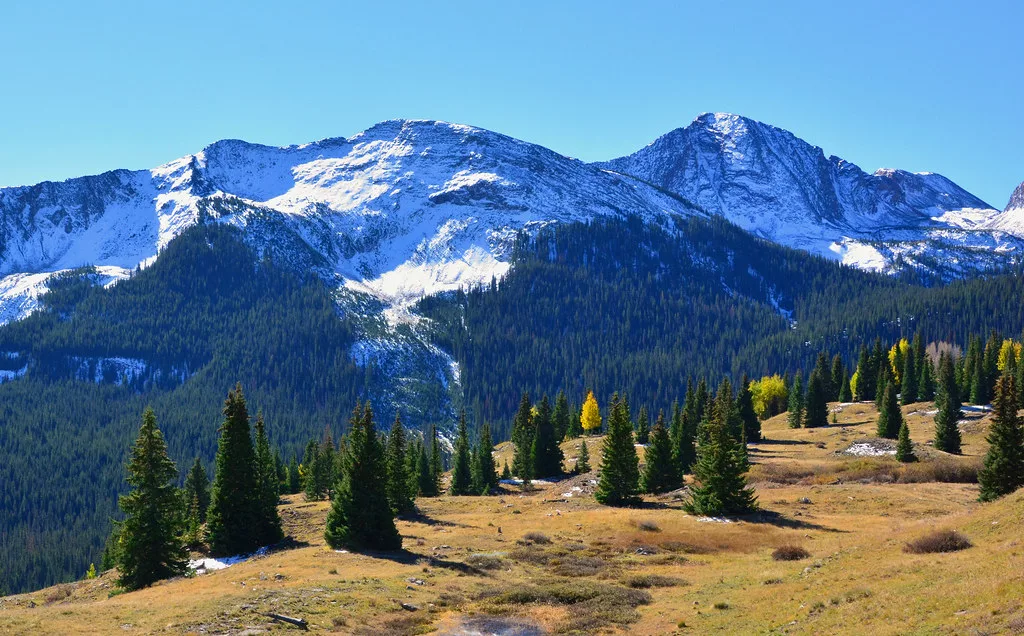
(613, 306)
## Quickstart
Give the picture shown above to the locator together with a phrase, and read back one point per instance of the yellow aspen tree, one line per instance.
(590, 416)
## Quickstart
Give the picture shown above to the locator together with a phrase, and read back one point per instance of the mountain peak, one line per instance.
(1016, 199)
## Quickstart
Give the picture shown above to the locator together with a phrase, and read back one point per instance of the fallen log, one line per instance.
(298, 622)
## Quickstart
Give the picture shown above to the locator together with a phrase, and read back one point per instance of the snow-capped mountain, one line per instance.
(402, 209)
(769, 182)
(1012, 218)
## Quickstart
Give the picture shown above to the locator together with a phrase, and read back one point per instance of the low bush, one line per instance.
(648, 526)
(790, 553)
(939, 541)
(537, 537)
(645, 581)
(485, 561)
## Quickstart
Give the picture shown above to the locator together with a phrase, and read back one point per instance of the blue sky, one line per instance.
(933, 86)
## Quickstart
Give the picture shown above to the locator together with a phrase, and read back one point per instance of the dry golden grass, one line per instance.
(607, 570)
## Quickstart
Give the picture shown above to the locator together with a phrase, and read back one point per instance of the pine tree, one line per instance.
(522, 438)
(947, 434)
(197, 486)
(436, 462)
(294, 479)
(1019, 380)
(837, 377)
(796, 403)
(904, 447)
(462, 465)
(1003, 472)
(682, 444)
(546, 453)
(268, 523)
(150, 545)
(590, 415)
(926, 380)
(399, 495)
(582, 461)
(908, 380)
(823, 369)
(561, 416)
(485, 476)
(660, 474)
(721, 487)
(620, 466)
(845, 391)
(232, 518)
(643, 426)
(884, 378)
(745, 409)
(863, 371)
(425, 474)
(890, 418)
(506, 473)
(360, 516)
(816, 410)
(327, 464)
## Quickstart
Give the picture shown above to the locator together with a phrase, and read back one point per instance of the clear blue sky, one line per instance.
(91, 86)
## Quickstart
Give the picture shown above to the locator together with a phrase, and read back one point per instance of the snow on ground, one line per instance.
(209, 564)
(714, 520)
(868, 449)
(860, 255)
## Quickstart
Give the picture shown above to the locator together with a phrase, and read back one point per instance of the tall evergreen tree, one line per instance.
(863, 371)
(1003, 471)
(294, 480)
(485, 475)
(845, 391)
(904, 447)
(795, 410)
(231, 522)
(947, 434)
(816, 409)
(436, 462)
(150, 545)
(546, 453)
(659, 474)
(197, 486)
(745, 409)
(837, 377)
(721, 487)
(909, 380)
(425, 474)
(522, 438)
(462, 465)
(360, 517)
(399, 495)
(582, 461)
(268, 522)
(890, 418)
(926, 380)
(620, 467)
(561, 416)
(643, 426)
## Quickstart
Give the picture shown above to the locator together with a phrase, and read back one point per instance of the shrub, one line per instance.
(536, 537)
(485, 562)
(939, 541)
(790, 553)
(648, 526)
(645, 581)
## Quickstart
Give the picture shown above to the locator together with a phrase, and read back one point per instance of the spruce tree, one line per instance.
(399, 495)
(360, 517)
(620, 467)
(890, 418)
(904, 447)
(522, 438)
(436, 462)
(561, 417)
(909, 380)
(643, 426)
(268, 523)
(506, 473)
(197, 486)
(327, 464)
(294, 479)
(1019, 380)
(947, 434)
(546, 453)
(836, 381)
(485, 476)
(883, 379)
(1003, 471)
(659, 474)
(462, 465)
(863, 371)
(721, 487)
(745, 409)
(926, 380)
(816, 409)
(150, 545)
(425, 474)
(582, 461)
(845, 392)
(231, 523)
(823, 369)
(795, 411)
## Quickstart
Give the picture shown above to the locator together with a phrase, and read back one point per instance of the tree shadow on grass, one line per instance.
(421, 517)
(779, 442)
(405, 557)
(772, 518)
